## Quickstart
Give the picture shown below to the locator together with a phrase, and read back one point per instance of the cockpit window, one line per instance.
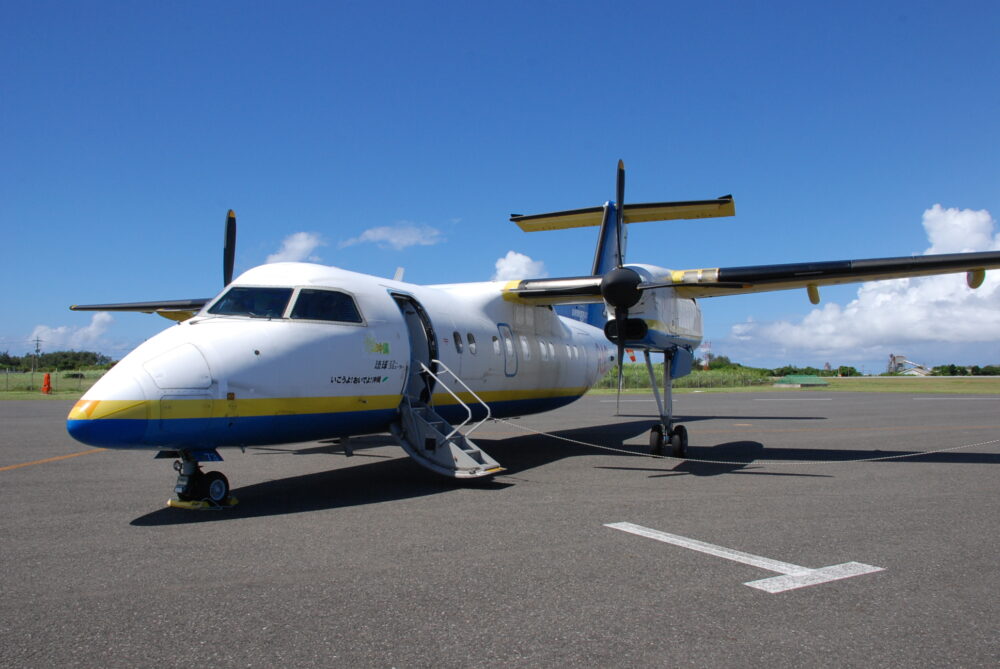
(326, 305)
(253, 302)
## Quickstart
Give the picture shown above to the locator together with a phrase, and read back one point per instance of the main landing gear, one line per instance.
(660, 436)
(196, 489)
(665, 433)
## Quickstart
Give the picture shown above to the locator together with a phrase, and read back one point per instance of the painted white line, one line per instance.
(624, 401)
(793, 399)
(813, 577)
(956, 399)
(793, 576)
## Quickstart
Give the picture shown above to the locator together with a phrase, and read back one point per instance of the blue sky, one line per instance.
(128, 130)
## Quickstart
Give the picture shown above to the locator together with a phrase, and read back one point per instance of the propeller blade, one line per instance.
(229, 248)
(620, 206)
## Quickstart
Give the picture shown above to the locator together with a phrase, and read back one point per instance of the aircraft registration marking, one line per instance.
(792, 577)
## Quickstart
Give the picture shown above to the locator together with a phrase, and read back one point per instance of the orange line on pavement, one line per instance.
(55, 459)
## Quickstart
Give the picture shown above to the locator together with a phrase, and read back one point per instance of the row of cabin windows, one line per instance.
(548, 349)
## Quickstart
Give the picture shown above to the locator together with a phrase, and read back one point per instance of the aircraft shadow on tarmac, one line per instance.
(391, 478)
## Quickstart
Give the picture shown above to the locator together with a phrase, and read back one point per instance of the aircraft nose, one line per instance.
(113, 414)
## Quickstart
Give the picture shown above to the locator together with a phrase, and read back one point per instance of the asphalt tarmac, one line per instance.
(369, 561)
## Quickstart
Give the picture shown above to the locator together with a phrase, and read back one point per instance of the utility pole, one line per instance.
(34, 362)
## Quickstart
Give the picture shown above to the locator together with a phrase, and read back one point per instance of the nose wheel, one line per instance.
(196, 489)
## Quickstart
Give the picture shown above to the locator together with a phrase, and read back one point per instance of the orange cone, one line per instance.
(47, 384)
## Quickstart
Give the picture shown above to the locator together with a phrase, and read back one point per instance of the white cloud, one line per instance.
(398, 236)
(297, 247)
(516, 265)
(64, 337)
(901, 315)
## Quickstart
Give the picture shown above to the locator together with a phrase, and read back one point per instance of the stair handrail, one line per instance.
(465, 406)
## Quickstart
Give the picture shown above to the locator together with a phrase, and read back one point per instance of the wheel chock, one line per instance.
(201, 505)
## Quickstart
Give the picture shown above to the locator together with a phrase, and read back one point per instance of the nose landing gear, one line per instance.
(196, 489)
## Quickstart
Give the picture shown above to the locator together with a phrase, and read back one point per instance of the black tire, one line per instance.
(195, 488)
(656, 440)
(215, 487)
(679, 442)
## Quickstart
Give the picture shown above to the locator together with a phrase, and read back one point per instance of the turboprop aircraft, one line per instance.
(292, 352)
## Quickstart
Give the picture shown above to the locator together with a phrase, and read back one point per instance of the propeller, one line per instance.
(620, 286)
(229, 248)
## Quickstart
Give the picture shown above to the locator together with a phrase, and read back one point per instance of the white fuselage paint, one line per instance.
(219, 368)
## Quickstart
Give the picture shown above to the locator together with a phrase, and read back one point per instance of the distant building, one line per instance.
(898, 364)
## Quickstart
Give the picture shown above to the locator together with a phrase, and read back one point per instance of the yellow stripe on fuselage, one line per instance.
(180, 407)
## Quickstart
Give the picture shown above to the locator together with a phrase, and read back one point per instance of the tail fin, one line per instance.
(611, 240)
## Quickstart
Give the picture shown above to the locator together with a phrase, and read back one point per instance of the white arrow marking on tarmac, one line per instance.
(792, 575)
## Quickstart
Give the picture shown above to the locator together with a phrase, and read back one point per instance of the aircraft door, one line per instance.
(423, 348)
(509, 350)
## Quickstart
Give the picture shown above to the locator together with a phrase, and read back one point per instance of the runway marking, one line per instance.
(967, 399)
(793, 399)
(792, 576)
(623, 401)
(55, 459)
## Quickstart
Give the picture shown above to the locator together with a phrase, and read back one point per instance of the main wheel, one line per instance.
(656, 440)
(216, 487)
(679, 442)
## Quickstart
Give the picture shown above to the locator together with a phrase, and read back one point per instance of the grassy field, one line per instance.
(65, 385)
(637, 381)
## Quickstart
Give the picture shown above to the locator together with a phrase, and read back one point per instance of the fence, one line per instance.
(72, 381)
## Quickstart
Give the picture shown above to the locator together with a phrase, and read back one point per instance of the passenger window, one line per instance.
(472, 343)
(325, 305)
(458, 341)
(496, 345)
(525, 348)
(544, 349)
(253, 302)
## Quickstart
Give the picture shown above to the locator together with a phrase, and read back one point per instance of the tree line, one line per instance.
(723, 362)
(57, 361)
(963, 370)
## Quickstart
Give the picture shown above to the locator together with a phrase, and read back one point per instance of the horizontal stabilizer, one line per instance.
(633, 213)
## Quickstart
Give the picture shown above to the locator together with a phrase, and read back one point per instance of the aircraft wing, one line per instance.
(175, 310)
(718, 281)
(763, 278)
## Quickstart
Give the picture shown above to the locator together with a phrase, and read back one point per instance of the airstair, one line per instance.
(437, 445)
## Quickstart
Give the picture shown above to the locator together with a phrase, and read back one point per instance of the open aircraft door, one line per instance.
(423, 347)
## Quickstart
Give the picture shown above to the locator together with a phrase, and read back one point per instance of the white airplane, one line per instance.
(292, 352)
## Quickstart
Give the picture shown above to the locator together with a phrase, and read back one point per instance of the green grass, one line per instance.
(985, 385)
(635, 377)
(748, 380)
